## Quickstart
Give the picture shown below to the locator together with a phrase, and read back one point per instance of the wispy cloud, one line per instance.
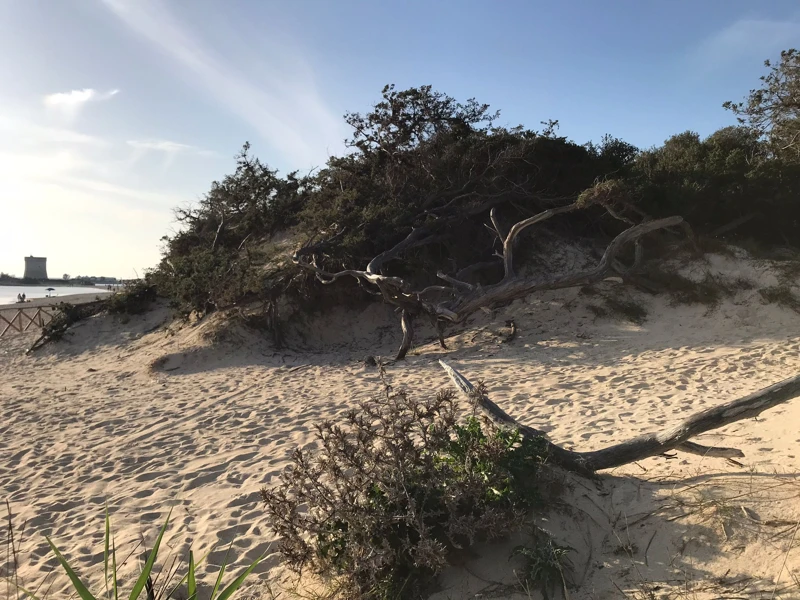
(70, 103)
(747, 40)
(168, 147)
(281, 104)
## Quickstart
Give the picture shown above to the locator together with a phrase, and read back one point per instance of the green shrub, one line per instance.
(729, 181)
(133, 299)
(386, 497)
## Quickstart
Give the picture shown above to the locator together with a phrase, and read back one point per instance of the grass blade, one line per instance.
(76, 582)
(148, 566)
(114, 568)
(191, 584)
(105, 550)
(184, 578)
(236, 583)
(30, 595)
(221, 572)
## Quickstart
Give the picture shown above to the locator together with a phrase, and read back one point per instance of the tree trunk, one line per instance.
(407, 323)
(440, 334)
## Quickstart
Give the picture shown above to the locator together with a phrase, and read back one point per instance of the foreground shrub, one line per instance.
(386, 497)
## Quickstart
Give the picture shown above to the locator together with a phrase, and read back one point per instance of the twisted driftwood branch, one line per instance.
(650, 444)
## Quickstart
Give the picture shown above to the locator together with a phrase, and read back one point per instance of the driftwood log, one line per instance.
(457, 299)
(643, 446)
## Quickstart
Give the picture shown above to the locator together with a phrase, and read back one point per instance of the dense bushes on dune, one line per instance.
(420, 156)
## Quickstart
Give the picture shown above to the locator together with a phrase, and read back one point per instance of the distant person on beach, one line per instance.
(23, 297)
(19, 297)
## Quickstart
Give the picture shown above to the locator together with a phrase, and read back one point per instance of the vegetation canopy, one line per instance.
(432, 187)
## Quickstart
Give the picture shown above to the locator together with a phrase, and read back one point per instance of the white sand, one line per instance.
(199, 418)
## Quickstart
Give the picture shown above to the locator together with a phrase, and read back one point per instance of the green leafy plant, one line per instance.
(144, 583)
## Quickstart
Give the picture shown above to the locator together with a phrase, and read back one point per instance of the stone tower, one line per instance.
(35, 267)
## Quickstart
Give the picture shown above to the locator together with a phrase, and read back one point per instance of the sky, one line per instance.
(113, 112)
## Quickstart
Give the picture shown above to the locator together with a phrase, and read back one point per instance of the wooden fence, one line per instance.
(23, 318)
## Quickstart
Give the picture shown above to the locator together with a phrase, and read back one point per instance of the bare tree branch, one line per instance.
(455, 282)
(496, 224)
(216, 235)
(511, 289)
(508, 242)
(418, 237)
(487, 264)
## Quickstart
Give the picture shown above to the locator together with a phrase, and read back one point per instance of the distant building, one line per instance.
(35, 267)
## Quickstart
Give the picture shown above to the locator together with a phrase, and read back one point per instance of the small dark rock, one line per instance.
(370, 361)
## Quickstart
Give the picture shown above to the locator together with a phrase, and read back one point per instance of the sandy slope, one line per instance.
(146, 416)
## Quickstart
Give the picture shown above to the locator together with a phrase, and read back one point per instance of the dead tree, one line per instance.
(643, 446)
(456, 299)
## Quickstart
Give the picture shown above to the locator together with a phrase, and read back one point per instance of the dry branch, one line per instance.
(651, 444)
(508, 242)
(511, 289)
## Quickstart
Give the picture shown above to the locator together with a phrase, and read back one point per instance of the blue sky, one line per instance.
(112, 112)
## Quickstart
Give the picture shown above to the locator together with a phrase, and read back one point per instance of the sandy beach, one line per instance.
(150, 415)
(69, 298)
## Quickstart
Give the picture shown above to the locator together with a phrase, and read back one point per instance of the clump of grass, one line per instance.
(608, 192)
(711, 245)
(781, 295)
(378, 509)
(144, 586)
(614, 305)
(598, 311)
(9, 569)
(709, 291)
(627, 308)
(545, 565)
(789, 271)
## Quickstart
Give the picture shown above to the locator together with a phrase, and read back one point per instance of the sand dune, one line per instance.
(147, 415)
